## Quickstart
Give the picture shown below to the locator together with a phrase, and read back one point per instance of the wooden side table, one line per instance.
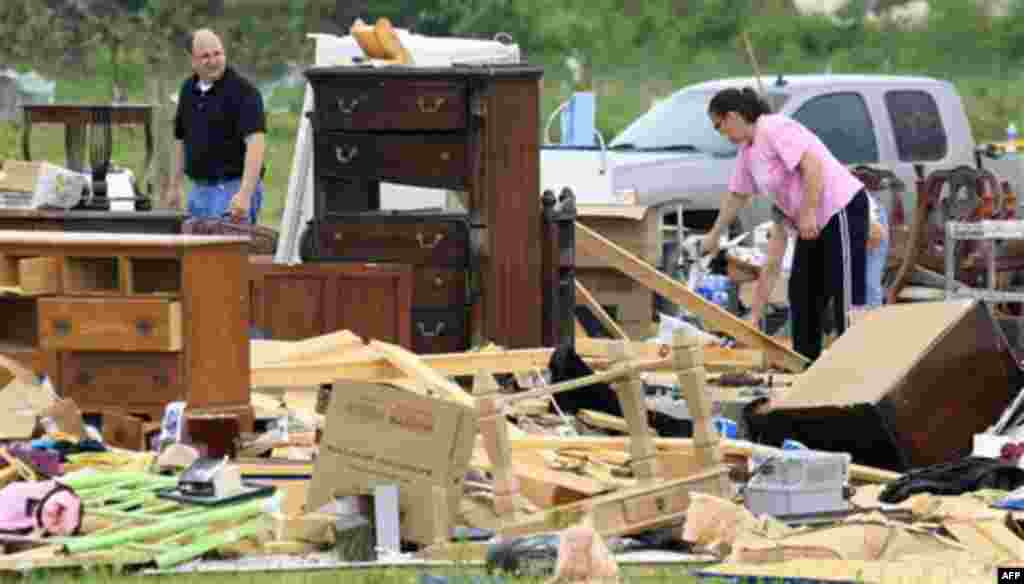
(76, 119)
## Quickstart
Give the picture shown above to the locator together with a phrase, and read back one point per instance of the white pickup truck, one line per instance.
(672, 159)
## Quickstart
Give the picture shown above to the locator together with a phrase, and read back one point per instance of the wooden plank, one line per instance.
(694, 389)
(729, 448)
(494, 431)
(623, 512)
(585, 297)
(365, 368)
(716, 357)
(332, 345)
(53, 557)
(604, 348)
(413, 366)
(678, 293)
(630, 391)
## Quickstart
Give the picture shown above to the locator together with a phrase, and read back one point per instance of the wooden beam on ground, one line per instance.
(411, 364)
(647, 275)
(719, 358)
(605, 348)
(331, 345)
(728, 447)
(583, 296)
(625, 511)
(715, 358)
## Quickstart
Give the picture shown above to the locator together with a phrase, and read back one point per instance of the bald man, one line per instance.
(220, 137)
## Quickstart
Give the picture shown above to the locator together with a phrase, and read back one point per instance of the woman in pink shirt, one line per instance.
(818, 199)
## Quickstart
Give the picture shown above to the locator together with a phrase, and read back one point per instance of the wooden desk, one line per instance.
(166, 222)
(76, 118)
(131, 322)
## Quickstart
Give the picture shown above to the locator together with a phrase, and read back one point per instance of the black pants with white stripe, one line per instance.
(829, 268)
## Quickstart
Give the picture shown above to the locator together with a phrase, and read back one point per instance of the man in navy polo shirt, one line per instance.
(220, 136)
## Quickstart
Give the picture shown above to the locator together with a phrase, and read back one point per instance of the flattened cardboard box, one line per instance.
(376, 434)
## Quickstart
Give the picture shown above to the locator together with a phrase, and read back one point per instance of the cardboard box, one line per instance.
(635, 228)
(377, 434)
(49, 185)
(633, 302)
(906, 387)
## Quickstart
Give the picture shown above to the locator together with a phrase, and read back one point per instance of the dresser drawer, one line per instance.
(107, 324)
(391, 105)
(439, 330)
(418, 241)
(336, 195)
(429, 161)
(120, 379)
(436, 287)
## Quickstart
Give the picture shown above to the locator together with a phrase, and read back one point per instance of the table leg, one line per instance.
(26, 137)
(149, 154)
(74, 146)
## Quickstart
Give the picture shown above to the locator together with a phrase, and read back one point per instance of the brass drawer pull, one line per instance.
(62, 327)
(348, 108)
(428, 107)
(144, 327)
(345, 156)
(438, 281)
(429, 244)
(436, 332)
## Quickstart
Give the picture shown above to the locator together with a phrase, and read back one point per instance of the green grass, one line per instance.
(661, 575)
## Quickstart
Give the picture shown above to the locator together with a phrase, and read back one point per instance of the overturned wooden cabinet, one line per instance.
(130, 322)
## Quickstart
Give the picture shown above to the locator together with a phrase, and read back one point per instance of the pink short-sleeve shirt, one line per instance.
(769, 166)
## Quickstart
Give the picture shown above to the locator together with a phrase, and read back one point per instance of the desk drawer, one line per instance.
(109, 324)
(439, 330)
(391, 105)
(438, 287)
(429, 161)
(122, 378)
(416, 241)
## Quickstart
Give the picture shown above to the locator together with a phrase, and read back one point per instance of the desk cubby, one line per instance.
(131, 321)
(91, 275)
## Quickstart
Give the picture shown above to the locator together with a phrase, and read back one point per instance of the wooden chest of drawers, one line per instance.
(469, 128)
(131, 322)
(435, 246)
(297, 302)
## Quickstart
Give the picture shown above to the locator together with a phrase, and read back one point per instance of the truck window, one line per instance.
(680, 119)
(842, 122)
(917, 124)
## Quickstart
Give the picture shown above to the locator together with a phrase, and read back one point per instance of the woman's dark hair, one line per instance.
(745, 102)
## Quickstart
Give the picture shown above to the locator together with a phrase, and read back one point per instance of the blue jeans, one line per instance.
(213, 200)
(875, 263)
